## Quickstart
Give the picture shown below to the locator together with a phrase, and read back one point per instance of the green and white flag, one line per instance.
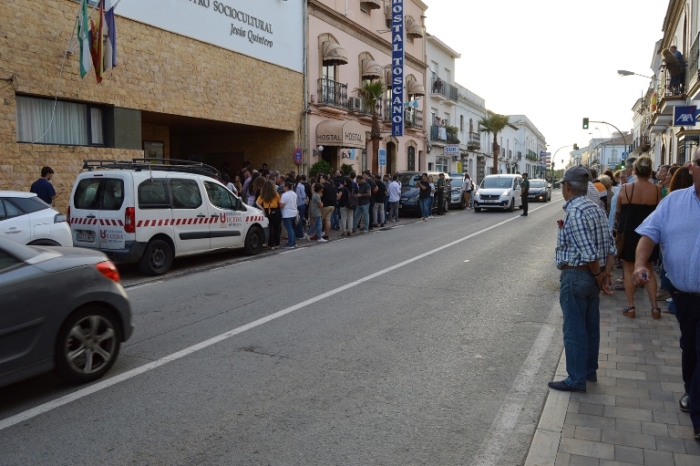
(84, 39)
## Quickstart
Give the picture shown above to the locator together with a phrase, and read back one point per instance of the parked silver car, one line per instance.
(60, 308)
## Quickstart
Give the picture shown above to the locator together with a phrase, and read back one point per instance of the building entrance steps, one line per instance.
(631, 415)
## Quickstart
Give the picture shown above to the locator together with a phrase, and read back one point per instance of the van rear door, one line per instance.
(97, 211)
(85, 210)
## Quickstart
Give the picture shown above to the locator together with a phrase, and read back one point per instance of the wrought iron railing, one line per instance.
(474, 141)
(413, 118)
(670, 86)
(532, 155)
(438, 133)
(332, 92)
(642, 143)
(444, 89)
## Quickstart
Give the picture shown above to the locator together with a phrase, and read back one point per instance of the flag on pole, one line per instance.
(110, 54)
(97, 43)
(84, 39)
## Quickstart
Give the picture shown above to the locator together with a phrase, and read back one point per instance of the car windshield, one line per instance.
(537, 184)
(495, 182)
(409, 180)
(456, 182)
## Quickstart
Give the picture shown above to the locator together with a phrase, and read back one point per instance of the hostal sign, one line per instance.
(263, 29)
(397, 64)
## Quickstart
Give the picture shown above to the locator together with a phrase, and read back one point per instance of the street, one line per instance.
(428, 343)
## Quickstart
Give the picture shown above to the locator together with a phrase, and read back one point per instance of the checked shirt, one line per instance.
(585, 235)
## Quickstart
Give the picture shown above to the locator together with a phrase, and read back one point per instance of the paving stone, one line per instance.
(629, 383)
(684, 419)
(675, 431)
(654, 376)
(593, 399)
(627, 413)
(614, 463)
(692, 447)
(648, 384)
(583, 461)
(568, 430)
(624, 402)
(585, 420)
(627, 366)
(562, 459)
(628, 392)
(648, 368)
(628, 439)
(592, 409)
(673, 387)
(661, 395)
(658, 458)
(666, 417)
(587, 448)
(655, 428)
(671, 370)
(587, 433)
(629, 454)
(685, 460)
(653, 405)
(674, 445)
(627, 359)
(607, 365)
(573, 407)
(626, 425)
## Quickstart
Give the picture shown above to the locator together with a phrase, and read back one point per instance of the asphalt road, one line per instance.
(429, 344)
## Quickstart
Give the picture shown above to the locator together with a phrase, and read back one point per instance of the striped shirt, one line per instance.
(585, 236)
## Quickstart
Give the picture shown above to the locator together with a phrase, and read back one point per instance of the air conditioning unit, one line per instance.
(355, 104)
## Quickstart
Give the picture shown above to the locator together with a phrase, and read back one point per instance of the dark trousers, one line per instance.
(440, 199)
(371, 209)
(688, 315)
(275, 218)
(524, 204)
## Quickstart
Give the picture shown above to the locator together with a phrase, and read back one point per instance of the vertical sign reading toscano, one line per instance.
(397, 67)
(269, 30)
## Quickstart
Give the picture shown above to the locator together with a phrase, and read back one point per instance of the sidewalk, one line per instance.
(631, 415)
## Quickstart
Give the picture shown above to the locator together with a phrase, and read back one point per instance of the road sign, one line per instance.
(625, 155)
(382, 158)
(298, 156)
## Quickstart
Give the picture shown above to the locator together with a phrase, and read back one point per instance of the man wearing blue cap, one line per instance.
(584, 254)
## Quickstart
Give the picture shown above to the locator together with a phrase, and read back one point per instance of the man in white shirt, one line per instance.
(288, 203)
(394, 198)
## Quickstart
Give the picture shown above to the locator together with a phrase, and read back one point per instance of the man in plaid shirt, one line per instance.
(584, 254)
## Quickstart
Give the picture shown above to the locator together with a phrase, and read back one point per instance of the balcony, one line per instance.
(413, 118)
(357, 105)
(641, 144)
(332, 93)
(438, 134)
(693, 74)
(474, 141)
(532, 155)
(443, 90)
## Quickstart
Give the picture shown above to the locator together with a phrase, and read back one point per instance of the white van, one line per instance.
(500, 192)
(152, 212)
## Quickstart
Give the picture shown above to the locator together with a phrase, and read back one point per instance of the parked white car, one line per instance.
(26, 219)
(500, 192)
(151, 213)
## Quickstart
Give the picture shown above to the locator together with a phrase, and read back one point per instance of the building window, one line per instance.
(364, 9)
(69, 123)
(411, 158)
(442, 164)
(461, 123)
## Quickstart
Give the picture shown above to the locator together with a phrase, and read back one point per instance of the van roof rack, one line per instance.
(162, 164)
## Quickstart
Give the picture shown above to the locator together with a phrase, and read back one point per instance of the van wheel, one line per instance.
(157, 259)
(87, 345)
(477, 209)
(512, 205)
(254, 241)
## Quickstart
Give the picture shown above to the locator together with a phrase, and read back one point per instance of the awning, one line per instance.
(413, 28)
(334, 54)
(371, 4)
(341, 133)
(413, 87)
(371, 69)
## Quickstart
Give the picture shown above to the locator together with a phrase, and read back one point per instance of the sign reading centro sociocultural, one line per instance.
(397, 66)
(268, 30)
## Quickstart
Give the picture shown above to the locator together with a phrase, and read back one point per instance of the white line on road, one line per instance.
(82, 393)
(500, 432)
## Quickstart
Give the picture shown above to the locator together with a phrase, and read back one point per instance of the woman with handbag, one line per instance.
(635, 202)
(269, 202)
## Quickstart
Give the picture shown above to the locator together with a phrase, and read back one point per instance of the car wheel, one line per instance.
(87, 345)
(254, 241)
(43, 242)
(157, 259)
(511, 208)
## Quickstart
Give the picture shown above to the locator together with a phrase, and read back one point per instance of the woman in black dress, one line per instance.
(634, 204)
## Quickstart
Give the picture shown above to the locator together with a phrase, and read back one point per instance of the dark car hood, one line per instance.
(409, 191)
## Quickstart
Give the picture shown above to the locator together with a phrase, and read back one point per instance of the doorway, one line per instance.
(330, 155)
(390, 157)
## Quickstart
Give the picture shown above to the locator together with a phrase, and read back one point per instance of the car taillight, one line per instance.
(130, 220)
(109, 270)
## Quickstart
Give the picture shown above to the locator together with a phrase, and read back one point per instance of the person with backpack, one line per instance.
(379, 199)
(347, 199)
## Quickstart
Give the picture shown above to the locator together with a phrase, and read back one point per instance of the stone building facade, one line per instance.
(198, 94)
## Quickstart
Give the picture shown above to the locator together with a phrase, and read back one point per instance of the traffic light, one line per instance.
(585, 123)
(575, 146)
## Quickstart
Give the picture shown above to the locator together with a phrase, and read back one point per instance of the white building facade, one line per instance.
(470, 109)
(520, 148)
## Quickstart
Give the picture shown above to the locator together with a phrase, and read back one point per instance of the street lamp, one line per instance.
(631, 73)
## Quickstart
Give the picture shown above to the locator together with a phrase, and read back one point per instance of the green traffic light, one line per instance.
(585, 123)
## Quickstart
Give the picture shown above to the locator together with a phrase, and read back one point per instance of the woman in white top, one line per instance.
(288, 203)
(467, 189)
(432, 196)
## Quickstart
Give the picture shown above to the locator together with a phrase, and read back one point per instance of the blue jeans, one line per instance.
(424, 207)
(364, 211)
(335, 218)
(299, 230)
(289, 226)
(318, 226)
(579, 297)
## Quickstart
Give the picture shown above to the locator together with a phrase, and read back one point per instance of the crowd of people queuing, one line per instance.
(654, 218)
(310, 208)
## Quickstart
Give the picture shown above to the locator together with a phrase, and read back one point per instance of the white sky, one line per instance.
(555, 61)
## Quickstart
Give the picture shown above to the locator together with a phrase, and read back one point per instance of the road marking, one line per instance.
(466, 260)
(104, 384)
(502, 428)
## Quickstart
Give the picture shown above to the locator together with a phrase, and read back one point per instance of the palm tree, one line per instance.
(371, 94)
(494, 124)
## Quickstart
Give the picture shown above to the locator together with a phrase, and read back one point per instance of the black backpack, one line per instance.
(351, 203)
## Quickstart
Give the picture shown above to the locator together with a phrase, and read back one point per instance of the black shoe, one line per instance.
(523, 214)
(683, 403)
(564, 387)
(696, 433)
(592, 378)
